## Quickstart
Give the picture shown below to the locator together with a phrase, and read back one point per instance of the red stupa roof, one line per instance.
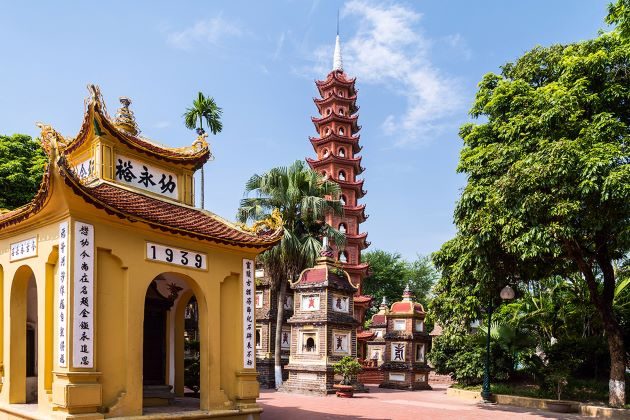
(339, 78)
(323, 103)
(354, 162)
(365, 335)
(332, 137)
(352, 120)
(379, 320)
(325, 274)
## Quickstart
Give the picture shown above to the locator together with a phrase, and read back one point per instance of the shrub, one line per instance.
(348, 367)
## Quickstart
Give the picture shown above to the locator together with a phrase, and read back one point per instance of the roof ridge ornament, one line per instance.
(52, 141)
(96, 98)
(271, 223)
(407, 294)
(125, 119)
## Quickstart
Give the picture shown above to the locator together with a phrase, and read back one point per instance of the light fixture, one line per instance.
(507, 293)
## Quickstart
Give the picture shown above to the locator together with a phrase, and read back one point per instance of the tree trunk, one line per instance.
(203, 178)
(203, 201)
(617, 381)
(278, 338)
(603, 302)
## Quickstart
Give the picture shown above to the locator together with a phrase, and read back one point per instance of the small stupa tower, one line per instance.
(323, 329)
(406, 345)
(337, 148)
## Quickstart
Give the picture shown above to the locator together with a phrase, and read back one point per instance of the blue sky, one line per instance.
(417, 65)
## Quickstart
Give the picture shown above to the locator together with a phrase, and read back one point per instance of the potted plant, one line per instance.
(559, 378)
(347, 367)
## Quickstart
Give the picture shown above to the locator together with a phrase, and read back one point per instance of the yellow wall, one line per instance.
(122, 276)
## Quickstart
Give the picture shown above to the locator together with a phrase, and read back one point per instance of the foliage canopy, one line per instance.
(390, 273)
(548, 191)
(22, 162)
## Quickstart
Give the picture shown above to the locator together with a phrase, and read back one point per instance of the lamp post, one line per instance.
(507, 293)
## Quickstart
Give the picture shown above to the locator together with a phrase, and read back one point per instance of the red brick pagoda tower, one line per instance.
(337, 148)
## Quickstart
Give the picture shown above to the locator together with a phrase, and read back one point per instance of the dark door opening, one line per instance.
(156, 307)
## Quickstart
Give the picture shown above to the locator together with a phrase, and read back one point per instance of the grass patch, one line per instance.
(577, 390)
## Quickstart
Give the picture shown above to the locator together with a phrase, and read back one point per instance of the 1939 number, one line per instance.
(171, 255)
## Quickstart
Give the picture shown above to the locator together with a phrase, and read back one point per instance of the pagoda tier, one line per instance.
(336, 79)
(357, 211)
(359, 240)
(325, 142)
(357, 270)
(327, 103)
(356, 186)
(323, 124)
(338, 162)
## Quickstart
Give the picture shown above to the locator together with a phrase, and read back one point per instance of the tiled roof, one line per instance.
(315, 275)
(379, 320)
(324, 274)
(365, 335)
(188, 155)
(337, 77)
(362, 299)
(333, 137)
(335, 98)
(166, 216)
(406, 307)
(354, 162)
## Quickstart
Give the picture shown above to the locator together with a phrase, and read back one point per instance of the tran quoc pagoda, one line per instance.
(336, 149)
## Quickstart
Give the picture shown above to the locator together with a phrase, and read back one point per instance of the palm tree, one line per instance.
(203, 108)
(303, 197)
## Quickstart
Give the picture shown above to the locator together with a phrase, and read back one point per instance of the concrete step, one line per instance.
(157, 395)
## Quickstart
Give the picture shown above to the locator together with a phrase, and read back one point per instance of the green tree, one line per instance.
(548, 189)
(390, 273)
(303, 198)
(619, 14)
(204, 108)
(22, 162)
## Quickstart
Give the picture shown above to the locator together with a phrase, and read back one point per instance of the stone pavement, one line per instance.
(391, 404)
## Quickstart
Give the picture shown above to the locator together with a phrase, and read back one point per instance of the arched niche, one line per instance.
(166, 298)
(23, 347)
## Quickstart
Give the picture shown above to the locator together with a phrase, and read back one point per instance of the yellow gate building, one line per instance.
(97, 271)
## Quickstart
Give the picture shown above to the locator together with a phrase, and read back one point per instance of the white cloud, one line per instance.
(279, 46)
(389, 49)
(209, 31)
(458, 43)
(162, 124)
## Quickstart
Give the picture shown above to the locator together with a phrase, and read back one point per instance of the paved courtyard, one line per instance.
(390, 404)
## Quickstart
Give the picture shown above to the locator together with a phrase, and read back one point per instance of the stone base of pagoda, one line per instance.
(309, 380)
(414, 380)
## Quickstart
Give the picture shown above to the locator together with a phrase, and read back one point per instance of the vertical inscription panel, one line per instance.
(62, 295)
(83, 302)
(248, 314)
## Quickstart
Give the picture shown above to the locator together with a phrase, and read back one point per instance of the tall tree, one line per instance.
(619, 14)
(303, 198)
(390, 273)
(548, 187)
(204, 108)
(22, 162)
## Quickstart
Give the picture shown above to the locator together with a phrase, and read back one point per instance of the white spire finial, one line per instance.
(337, 60)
